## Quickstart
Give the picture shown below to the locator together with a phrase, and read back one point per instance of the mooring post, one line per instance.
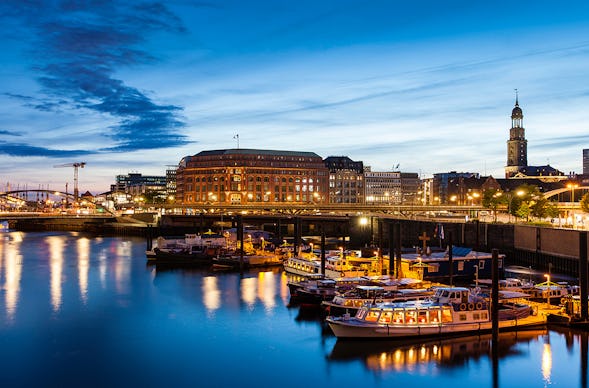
(322, 250)
(149, 238)
(583, 274)
(392, 270)
(450, 259)
(495, 294)
(240, 240)
(398, 250)
(297, 237)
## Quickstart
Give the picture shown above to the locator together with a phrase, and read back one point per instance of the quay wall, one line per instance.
(529, 246)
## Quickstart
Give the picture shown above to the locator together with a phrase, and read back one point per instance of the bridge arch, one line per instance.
(576, 192)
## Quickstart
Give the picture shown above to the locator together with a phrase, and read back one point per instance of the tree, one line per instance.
(552, 210)
(491, 200)
(539, 207)
(523, 211)
(585, 203)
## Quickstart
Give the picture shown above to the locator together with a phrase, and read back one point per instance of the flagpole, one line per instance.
(236, 137)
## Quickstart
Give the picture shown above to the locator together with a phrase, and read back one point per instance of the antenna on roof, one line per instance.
(237, 138)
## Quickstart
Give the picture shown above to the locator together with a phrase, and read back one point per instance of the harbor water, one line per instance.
(86, 311)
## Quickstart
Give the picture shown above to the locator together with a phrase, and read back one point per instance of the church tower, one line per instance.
(517, 145)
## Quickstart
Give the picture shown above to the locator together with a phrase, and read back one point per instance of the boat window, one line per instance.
(446, 315)
(386, 317)
(484, 315)
(372, 316)
(398, 316)
(410, 316)
(434, 316)
(476, 316)
(462, 317)
(361, 313)
(422, 316)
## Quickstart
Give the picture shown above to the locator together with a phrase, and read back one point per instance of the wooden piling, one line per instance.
(240, 240)
(495, 294)
(450, 258)
(322, 250)
(583, 274)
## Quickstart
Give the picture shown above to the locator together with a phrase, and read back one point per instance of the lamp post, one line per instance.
(572, 186)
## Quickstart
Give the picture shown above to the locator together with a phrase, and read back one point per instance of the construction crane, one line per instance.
(75, 166)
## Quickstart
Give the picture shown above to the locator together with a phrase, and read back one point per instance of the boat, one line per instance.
(317, 288)
(336, 265)
(363, 295)
(450, 311)
(258, 259)
(192, 249)
(551, 292)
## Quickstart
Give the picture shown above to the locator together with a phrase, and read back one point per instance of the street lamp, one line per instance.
(572, 186)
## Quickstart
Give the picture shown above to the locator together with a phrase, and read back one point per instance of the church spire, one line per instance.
(516, 102)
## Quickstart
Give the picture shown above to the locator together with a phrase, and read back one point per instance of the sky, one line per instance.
(426, 85)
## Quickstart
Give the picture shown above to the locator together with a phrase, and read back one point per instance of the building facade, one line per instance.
(346, 180)
(383, 187)
(517, 145)
(410, 188)
(238, 176)
(440, 186)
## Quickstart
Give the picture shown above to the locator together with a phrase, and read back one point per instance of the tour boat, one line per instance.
(451, 311)
(336, 266)
(362, 295)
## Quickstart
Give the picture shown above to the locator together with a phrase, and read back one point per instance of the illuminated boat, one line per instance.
(336, 266)
(451, 311)
(363, 295)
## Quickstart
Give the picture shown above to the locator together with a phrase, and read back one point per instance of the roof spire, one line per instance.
(516, 102)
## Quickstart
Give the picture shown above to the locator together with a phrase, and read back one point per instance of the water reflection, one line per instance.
(248, 292)
(546, 361)
(56, 246)
(11, 271)
(400, 356)
(266, 290)
(211, 294)
(83, 245)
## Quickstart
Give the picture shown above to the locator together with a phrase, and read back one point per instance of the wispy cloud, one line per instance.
(9, 133)
(15, 149)
(78, 50)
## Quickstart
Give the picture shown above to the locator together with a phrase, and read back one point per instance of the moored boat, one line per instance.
(451, 311)
(363, 295)
(336, 266)
(192, 249)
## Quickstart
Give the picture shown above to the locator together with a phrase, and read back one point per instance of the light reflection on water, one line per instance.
(79, 308)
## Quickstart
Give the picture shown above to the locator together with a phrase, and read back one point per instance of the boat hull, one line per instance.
(351, 328)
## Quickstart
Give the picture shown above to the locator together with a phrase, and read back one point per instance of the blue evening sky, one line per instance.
(134, 86)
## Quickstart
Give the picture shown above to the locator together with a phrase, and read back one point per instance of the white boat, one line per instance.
(335, 266)
(363, 295)
(451, 311)
(170, 249)
(550, 292)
